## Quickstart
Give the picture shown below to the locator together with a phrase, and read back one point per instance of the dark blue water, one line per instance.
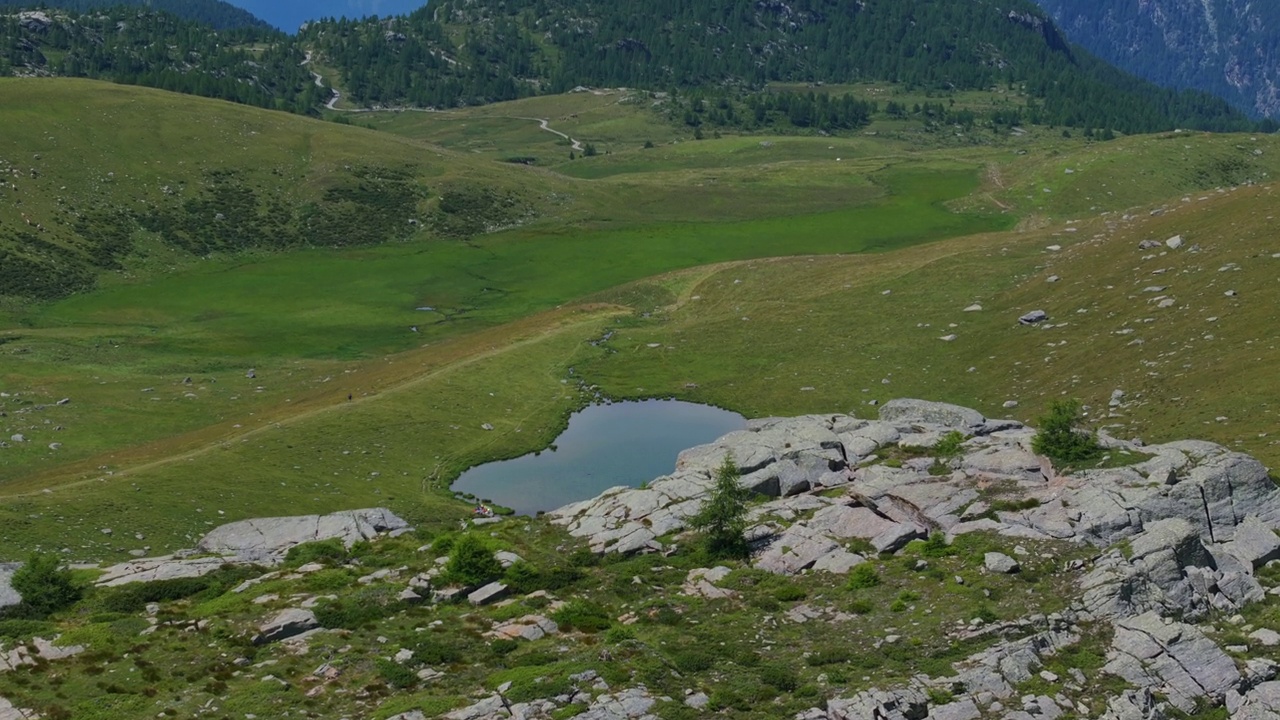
(625, 443)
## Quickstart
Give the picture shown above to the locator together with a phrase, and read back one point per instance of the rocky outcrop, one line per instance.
(831, 493)
(265, 541)
(1172, 659)
(34, 652)
(1181, 531)
(262, 541)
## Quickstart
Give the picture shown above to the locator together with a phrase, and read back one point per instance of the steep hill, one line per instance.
(1230, 48)
(456, 52)
(216, 14)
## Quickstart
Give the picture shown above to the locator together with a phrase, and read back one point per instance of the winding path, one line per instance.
(543, 124)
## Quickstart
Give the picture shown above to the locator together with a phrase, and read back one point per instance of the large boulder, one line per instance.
(8, 596)
(286, 624)
(906, 411)
(165, 567)
(267, 540)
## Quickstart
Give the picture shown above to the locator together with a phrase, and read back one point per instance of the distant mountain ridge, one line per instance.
(289, 15)
(214, 13)
(1230, 48)
(476, 51)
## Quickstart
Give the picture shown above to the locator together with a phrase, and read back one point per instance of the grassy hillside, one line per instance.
(103, 177)
(155, 363)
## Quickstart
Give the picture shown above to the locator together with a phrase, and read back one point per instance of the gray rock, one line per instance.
(1254, 543)
(8, 596)
(904, 704)
(896, 537)
(697, 701)
(1174, 242)
(964, 709)
(286, 624)
(1171, 658)
(267, 540)
(906, 410)
(1033, 317)
(165, 567)
(1260, 703)
(490, 593)
(1134, 705)
(411, 715)
(487, 709)
(1000, 563)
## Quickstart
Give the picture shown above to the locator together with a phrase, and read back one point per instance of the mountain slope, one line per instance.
(289, 15)
(468, 52)
(214, 13)
(249, 65)
(1230, 48)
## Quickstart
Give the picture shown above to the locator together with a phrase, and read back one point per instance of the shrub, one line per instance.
(863, 576)
(395, 674)
(935, 546)
(327, 552)
(22, 630)
(435, 652)
(781, 677)
(790, 593)
(949, 445)
(691, 660)
(829, 656)
(45, 587)
(861, 606)
(523, 578)
(1060, 438)
(503, 646)
(618, 634)
(471, 562)
(584, 616)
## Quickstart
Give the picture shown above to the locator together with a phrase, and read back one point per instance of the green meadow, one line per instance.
(768, 275)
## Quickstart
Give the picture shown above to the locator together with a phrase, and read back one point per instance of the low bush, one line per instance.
(395, 674)
(583, 616)
(326, 552)
(780, 677)
(863, 576)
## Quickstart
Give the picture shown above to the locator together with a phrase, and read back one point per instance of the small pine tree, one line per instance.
(471, 562)
(1059, 437)
(723, 516)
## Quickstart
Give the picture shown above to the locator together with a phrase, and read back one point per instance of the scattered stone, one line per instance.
(1174, 242)
(1034, 317)
(973, 308)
